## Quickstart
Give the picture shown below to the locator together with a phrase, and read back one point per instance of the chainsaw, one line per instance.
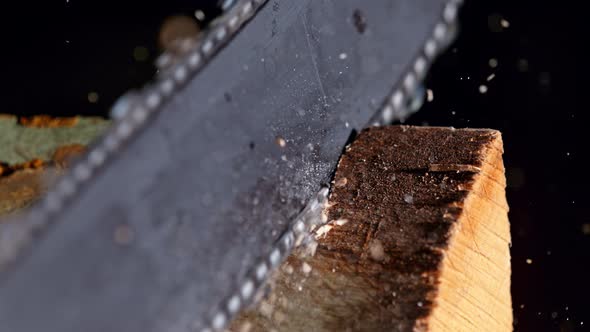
(213, 172)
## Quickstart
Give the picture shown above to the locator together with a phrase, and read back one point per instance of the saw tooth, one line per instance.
(420, 67)
(207, 47)
(180, 74)
(275, 257)
(139, 115)
(247, 9)
(164, 61)
(221, 33)
(233, 22)
(166, 87)
(111, 143)
(430, 49)
(397, 100)
(123, 130)
(96, 157)
(440, 31)
(233, 305)
(152, 102)
(387, 114)
(247, 289)
(410, 82)
(450, 12)
(194, 60)
(261, 271)
(219, 321)
(52, 203)
(66, 187)
(82, 172)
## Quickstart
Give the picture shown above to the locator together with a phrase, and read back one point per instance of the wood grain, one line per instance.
(418, 240)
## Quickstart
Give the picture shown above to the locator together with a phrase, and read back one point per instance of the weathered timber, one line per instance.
(418, 240)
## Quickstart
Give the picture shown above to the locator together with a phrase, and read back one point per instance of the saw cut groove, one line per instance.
(418, 240)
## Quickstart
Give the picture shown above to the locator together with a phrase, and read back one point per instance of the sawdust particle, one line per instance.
(246, 327)
(123, 234)
(305, 268)
(341, 222)
(64, 154)
(341, 182)
(266, 309)
(376, 250)
(281, 141)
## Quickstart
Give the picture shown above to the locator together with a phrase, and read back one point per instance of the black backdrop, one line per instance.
(54, 56)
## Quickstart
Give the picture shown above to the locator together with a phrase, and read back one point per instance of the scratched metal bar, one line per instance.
(205, 188)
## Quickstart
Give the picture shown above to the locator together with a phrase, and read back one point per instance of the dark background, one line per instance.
(54, 56)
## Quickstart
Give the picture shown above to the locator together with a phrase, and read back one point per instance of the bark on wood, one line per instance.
(35, 150)
(26, 139)
(418, 240)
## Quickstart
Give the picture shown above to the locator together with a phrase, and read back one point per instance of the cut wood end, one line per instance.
(436, 202)
(425, 246)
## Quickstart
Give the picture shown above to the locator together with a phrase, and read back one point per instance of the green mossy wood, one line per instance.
(19, 144)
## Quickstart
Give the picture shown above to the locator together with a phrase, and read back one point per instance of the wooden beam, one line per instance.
(418, 240)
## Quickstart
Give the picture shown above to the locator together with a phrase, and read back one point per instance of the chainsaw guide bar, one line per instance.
(216, 167)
